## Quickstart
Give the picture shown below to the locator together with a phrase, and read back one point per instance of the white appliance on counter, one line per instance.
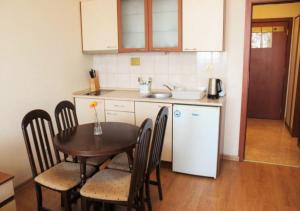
(196, 140)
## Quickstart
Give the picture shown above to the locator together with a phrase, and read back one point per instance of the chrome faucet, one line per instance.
(168, 87)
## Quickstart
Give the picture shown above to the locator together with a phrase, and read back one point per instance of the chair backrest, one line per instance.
(65, 115)
(158, 139)
(140, 159)
(38, 143)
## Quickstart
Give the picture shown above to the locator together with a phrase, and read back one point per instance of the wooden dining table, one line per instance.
(81, 142)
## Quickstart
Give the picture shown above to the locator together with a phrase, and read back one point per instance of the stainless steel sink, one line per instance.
(160, 95)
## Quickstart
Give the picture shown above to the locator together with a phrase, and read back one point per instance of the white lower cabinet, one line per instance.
(145, 110)
(120, 116)
(85, 114)
(7, 202)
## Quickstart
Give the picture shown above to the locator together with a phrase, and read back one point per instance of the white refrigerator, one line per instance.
(196, 140)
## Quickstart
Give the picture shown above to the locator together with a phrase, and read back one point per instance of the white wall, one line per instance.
(40, 64)
(189, 70)
(234, 45)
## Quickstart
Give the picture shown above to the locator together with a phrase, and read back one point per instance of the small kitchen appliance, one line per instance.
(196, 140)
(215, 88)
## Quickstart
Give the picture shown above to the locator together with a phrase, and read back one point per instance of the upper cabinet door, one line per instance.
(99, 25)
(132, 24)
(203, 25)
(165, 25)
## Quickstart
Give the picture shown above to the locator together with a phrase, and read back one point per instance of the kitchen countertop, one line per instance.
(134, 95)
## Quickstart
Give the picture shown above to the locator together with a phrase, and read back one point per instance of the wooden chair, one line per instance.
(120, 162)
(66, 117)
(155, 154)
(46, 166)
(120, 187)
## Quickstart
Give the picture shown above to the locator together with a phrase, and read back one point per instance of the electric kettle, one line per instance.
(215, 87)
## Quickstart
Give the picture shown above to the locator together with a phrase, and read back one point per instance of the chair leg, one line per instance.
(84, 204)
(108, 207)
(62, 204)
(39, 196)
(129, 208)
(67, 202)
(97, 206)
(148, 197)
(159, 182)
(142, 199)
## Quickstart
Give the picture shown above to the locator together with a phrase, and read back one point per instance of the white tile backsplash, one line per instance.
(188, 69)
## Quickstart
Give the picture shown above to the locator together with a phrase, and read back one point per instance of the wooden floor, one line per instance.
(269, 141)
(241, 186)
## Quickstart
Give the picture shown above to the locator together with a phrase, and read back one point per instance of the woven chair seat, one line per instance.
(108, 184)
(63, 176)
(120, 162)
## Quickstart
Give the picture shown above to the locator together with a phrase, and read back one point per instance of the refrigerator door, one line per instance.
(195, 139)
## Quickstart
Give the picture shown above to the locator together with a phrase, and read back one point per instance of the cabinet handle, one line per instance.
(112, 114)
(190, 49)
(119, 106)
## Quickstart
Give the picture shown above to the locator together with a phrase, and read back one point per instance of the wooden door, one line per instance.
(268, 70)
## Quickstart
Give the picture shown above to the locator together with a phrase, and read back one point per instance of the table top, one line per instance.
(80, 141)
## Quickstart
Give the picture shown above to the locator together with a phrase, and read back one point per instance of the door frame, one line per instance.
(246, 67)
(294, 129)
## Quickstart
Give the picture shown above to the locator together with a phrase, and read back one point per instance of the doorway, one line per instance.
(264, 136)
(269, 65)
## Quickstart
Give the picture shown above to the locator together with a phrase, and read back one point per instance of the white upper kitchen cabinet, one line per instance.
(145, 110)
(203, 25)
(99, 24)
(85, 114)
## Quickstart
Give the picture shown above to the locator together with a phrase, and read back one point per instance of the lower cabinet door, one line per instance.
(85, 114)
(145, 110)
(119, 116)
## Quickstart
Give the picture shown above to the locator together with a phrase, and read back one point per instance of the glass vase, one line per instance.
(97, 129)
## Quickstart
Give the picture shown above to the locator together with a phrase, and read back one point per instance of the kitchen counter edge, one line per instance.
(133, 95)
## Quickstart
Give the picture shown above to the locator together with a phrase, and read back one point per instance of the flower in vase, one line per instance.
(97, 128)
(93, 104)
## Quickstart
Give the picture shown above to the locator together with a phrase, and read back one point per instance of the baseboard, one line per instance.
(231, 157)
(270, 163)
(166, 164)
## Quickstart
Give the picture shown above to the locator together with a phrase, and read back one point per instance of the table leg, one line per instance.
(83, 171)
(130, 158)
